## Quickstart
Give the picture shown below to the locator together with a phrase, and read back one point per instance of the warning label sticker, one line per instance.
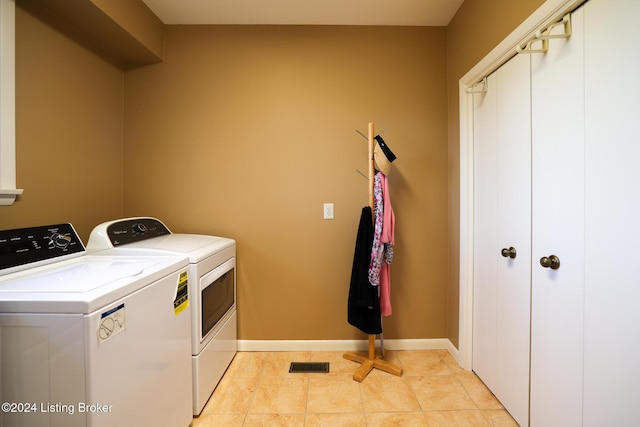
(182, 295)
(112, 322)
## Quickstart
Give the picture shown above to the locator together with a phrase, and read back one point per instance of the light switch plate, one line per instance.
(328, 211)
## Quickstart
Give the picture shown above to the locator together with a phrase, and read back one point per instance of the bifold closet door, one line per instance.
(557, 96)
(612, 289)
(502, 242)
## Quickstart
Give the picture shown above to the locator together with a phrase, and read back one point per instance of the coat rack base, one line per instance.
(368, 364)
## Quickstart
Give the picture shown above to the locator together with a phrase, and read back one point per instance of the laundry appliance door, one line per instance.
(217, 297)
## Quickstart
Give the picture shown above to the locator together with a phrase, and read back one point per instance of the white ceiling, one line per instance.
(306, 12)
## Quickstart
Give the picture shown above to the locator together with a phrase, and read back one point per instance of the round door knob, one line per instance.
(509, 253)
(552, 262)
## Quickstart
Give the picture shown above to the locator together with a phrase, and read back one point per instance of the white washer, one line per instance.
(212, 290)
(91, 340)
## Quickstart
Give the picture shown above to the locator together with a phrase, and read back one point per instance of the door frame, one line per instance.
(549, 12)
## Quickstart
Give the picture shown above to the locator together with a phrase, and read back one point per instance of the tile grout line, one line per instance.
(364, 414)
(306, 402)
(260, 378)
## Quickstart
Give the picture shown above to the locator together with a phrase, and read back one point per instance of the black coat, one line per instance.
(363, 306)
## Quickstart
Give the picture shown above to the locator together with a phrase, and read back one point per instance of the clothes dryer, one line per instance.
(91, 340)
(212, 289)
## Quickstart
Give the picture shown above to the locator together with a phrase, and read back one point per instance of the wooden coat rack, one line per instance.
(370, 360)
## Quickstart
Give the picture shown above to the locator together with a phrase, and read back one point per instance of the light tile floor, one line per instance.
(258, 390)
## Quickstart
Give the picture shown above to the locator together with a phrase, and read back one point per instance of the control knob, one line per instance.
(59, 240)
(139, 228)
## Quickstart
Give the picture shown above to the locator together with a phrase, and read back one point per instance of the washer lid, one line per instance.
(82, 285)
(197, 247)
(151, 233)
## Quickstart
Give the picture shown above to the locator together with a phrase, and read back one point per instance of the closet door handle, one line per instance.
(552, 262)
(509, 253)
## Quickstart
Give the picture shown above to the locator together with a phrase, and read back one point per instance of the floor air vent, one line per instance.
(308, 367)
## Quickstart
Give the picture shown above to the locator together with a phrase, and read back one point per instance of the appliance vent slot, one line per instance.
(309, 367)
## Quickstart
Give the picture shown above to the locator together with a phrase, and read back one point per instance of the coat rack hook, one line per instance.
(363, 175)
(366, 137)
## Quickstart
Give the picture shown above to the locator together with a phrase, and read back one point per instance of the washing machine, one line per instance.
(91, 340)
(212, 290)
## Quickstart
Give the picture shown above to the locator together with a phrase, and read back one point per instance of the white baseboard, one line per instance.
(349, 345)
(346, 345)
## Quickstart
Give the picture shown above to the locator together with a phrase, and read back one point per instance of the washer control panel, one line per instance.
(24, 246)
(135, 230)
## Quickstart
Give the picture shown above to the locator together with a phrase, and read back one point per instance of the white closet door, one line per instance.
(502, 124)
(485, 274)
(612, 290)
(558, 229)
(514, 230)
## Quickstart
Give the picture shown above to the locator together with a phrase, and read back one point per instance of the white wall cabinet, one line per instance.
(573, 192)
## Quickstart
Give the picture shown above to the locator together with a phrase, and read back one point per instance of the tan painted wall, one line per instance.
(246, 131)
(68, 132)
(257, 124)
(478, 26)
